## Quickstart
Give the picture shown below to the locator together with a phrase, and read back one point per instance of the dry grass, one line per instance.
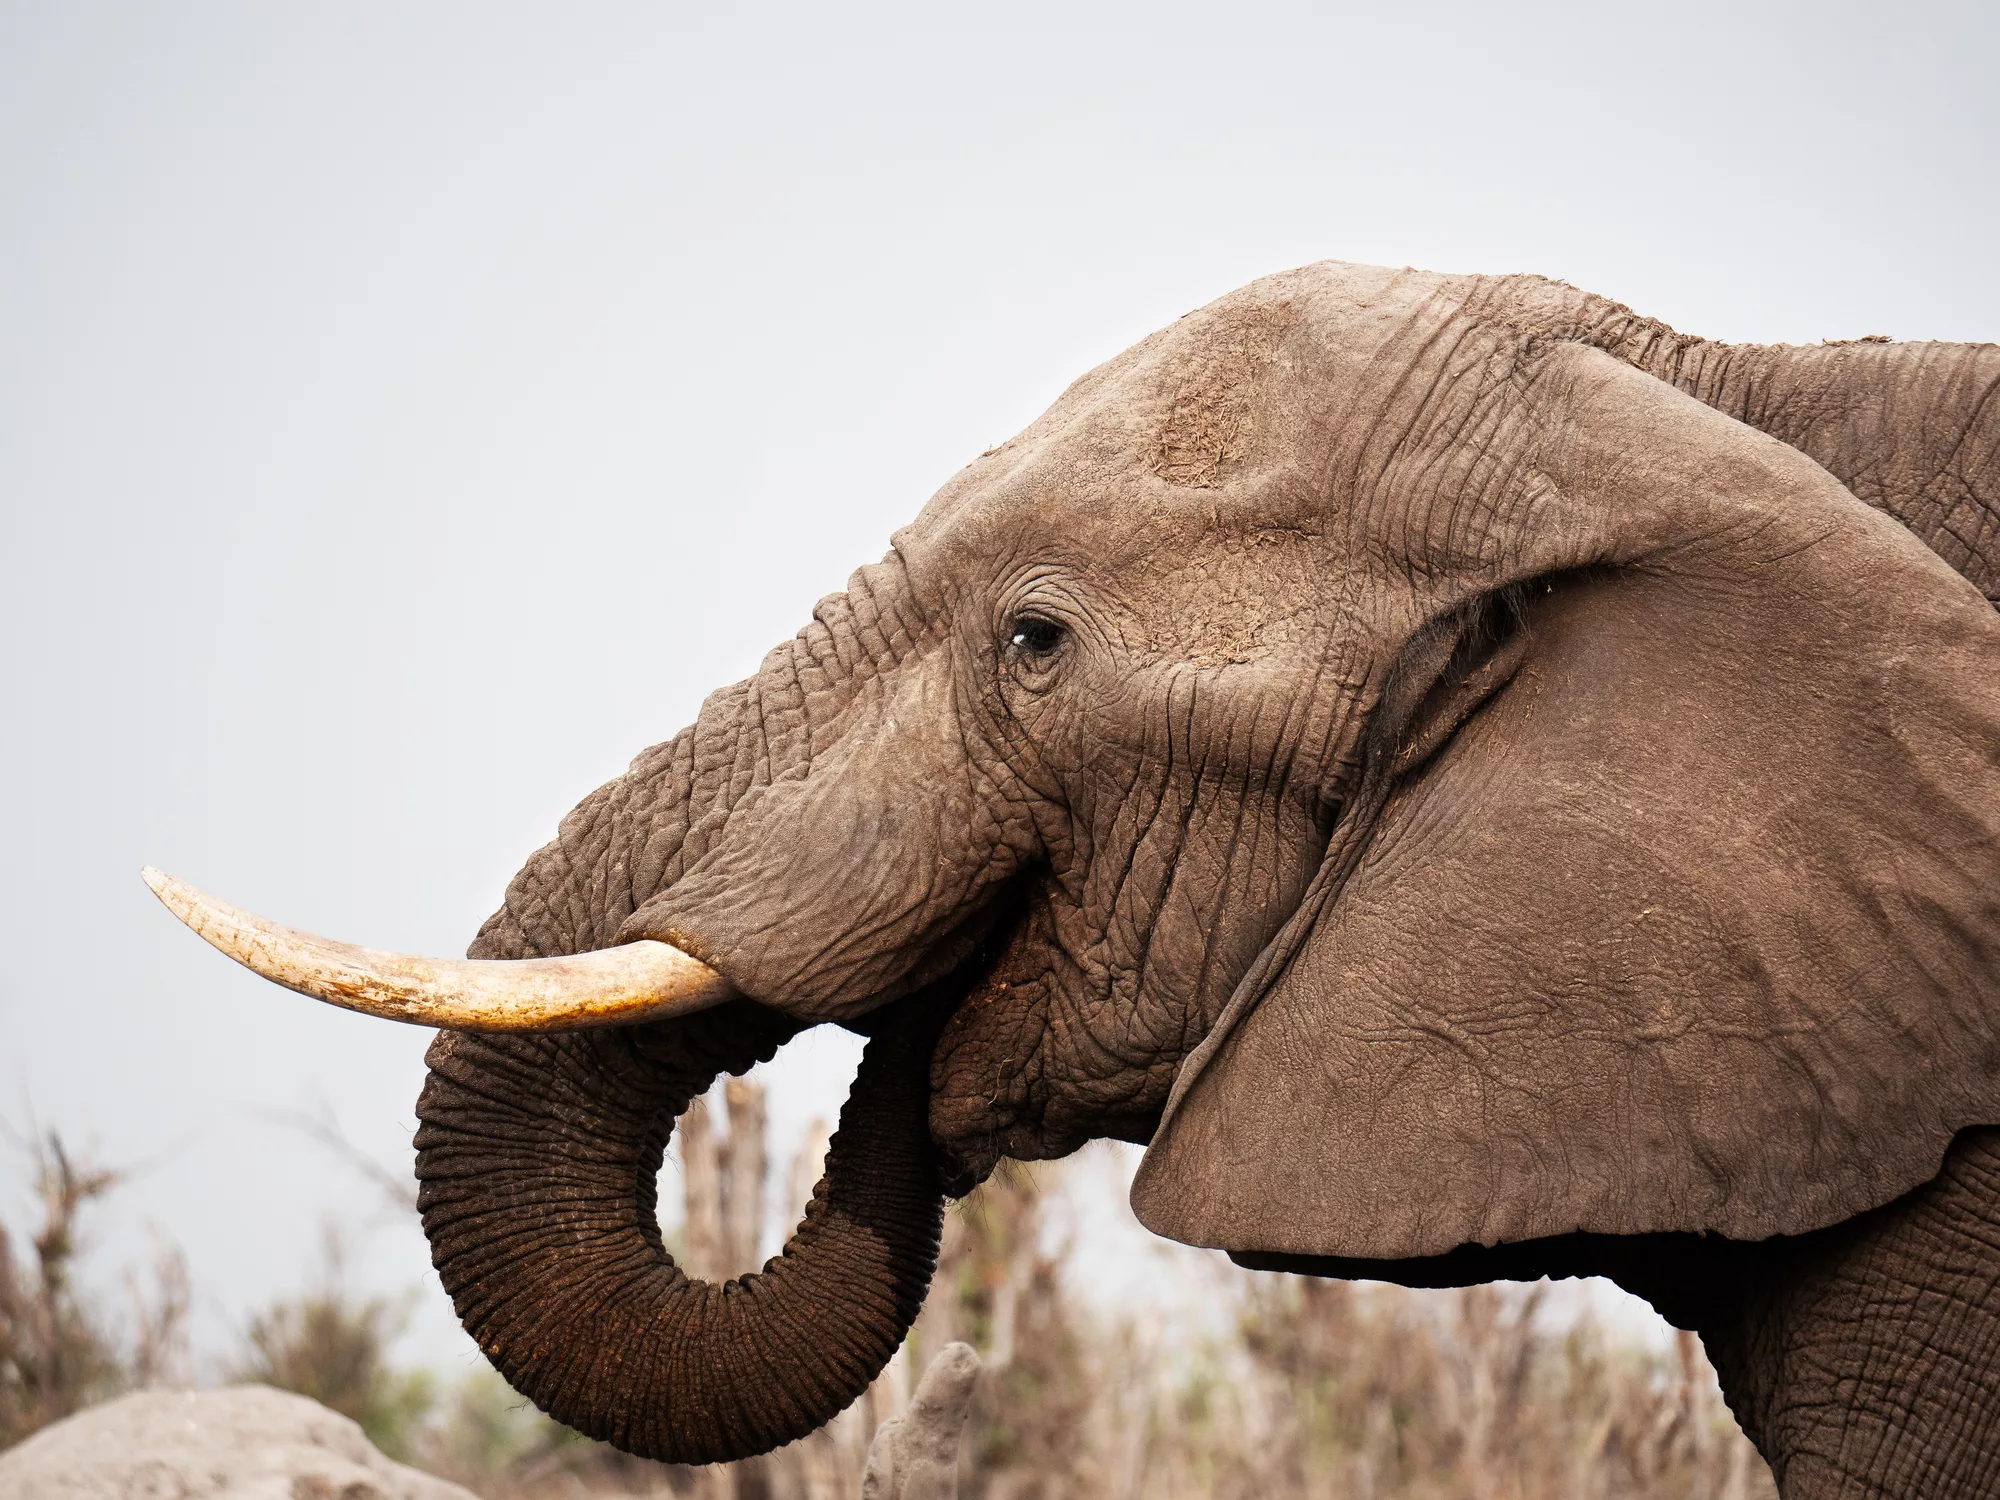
(334, 1347)
(60, 1348)
(1310, 1389)
(1329, 1389)
(1320, 1390)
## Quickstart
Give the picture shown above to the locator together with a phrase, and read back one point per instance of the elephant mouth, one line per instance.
(967, 1144)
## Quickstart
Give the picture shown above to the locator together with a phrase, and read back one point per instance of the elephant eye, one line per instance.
(1035, 635)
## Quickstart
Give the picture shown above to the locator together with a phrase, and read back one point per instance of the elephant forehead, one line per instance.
(1230, 409)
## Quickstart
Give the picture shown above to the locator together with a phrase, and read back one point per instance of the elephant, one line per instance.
(1478, 784)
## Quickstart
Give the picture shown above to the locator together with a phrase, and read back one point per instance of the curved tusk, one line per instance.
(642, 981)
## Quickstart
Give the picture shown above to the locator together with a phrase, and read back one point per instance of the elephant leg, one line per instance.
(1864, 1360)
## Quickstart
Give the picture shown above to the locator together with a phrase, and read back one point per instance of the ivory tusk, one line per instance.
(642, 981)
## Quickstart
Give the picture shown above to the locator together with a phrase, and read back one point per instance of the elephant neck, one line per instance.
(1910, 429)
(1864, 1360)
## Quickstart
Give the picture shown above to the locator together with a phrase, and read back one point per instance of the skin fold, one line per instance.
(1481, 783)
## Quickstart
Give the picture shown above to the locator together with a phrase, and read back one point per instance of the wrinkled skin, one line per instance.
(1116, 786)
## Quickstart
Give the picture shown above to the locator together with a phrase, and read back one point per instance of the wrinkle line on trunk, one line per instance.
(553, 1258)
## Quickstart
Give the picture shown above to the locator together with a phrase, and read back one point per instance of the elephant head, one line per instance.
(1400, 745)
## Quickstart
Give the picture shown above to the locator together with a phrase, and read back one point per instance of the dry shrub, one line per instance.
(334, 1347)
(1312, 1389)
(487, 1437)
(1308, 1389)
(1000, 1289)
(1321, 1390)
(60, 1348)
(1369, 1390)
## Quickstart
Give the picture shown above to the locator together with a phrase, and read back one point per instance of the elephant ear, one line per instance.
(1694, 924)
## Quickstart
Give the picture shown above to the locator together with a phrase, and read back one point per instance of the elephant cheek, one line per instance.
(979, 1080)
(991, 1051)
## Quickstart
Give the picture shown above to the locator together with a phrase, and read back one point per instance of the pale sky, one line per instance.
(408, 413)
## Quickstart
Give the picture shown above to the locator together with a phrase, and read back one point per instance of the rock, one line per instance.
(247, 1443)
(915, 1456)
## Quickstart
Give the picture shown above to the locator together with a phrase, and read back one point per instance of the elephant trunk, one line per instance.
(537, 1155)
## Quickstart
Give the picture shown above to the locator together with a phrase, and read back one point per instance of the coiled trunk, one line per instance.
(537, 1156)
